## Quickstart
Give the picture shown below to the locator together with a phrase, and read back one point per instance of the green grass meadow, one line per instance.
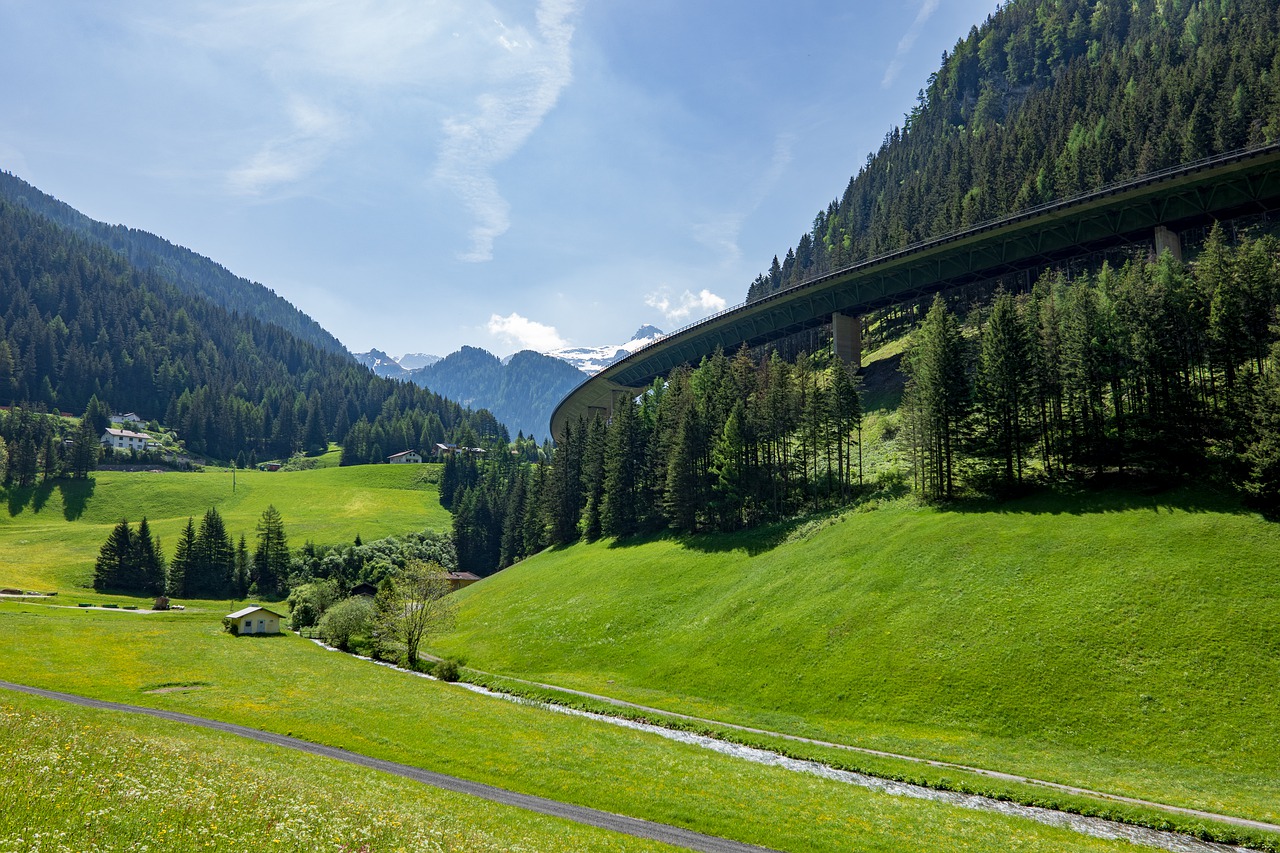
(50, 534)
(1122, 642)
(289, 685)
(104, 781)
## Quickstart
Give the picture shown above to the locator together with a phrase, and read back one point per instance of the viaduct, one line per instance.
(1153, 209)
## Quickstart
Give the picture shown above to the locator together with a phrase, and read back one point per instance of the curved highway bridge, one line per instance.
(1153, 208)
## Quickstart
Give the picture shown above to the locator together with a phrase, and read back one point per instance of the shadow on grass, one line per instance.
(21, 497)
(75, 496)
(1106, 494)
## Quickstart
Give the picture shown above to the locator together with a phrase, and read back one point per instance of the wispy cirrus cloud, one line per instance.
(524, 333)
(721, 233)
(316, 131)
(907, 41)
(536, 68)
(680, 308)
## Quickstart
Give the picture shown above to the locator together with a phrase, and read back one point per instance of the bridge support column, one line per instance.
(846, 339)
(1166, 239)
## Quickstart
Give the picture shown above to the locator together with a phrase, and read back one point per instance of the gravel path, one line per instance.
(578, 814)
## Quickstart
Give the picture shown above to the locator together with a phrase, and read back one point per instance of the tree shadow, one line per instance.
(1107, 493)
(755, 541)
(19, 497)
(75, 496)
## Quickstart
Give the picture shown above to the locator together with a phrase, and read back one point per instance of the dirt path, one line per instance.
(1244, 823)
(578, 814)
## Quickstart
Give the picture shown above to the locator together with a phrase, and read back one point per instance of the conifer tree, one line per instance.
(211, 571)
(148, 570)
(620, 514)
(182, 559)
(1003, 367)
(115, 559)
(271, 556)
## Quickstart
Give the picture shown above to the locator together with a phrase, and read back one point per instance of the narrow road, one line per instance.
(635, 827)
(1232, 820)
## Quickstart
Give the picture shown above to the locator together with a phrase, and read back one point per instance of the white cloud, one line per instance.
(316, 131)
(531, 74)
(686, 304)
(525, 333)
(907, 41)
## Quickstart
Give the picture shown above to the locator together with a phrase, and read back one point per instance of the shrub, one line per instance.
(446, 670)
(349, 618)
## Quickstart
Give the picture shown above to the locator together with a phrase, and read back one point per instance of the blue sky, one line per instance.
(421, 174)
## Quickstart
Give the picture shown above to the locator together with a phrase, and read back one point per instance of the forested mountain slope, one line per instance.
(79, 320)
(1048, 99)
(521, 393)
(189, 272)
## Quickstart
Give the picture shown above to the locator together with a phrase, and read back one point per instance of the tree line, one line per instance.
(730, 444)
(207, 562)
(1156, 368)
(1046, 100)
(36, 445)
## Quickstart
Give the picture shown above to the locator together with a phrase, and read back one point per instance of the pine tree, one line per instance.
(937, 399)
(1004, 366)
(182, 558)
(729, 467)
(115, 559)
(593, 478)
(85, 448)
(148, 573)
(241, 570)
(271, 556)
(620, 514)
(212, 567)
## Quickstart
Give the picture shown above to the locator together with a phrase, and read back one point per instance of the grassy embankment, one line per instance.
(289, 685)
(50, 534)
(1122, 642)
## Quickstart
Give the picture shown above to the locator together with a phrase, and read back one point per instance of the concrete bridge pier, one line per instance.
(1166, 239)
(846, 338)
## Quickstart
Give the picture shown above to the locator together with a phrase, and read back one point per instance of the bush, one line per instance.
(349, 618)
(446, 670)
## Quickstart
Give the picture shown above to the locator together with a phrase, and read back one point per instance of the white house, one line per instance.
(130, 418)
(255, 620)
(404, 458)
(123, 439)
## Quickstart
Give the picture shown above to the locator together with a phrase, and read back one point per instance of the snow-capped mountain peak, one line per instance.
(595, 359)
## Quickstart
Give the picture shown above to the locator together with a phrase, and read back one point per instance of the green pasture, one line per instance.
(289, 685)
(107, 781)
(50, 533)
(1123, 642)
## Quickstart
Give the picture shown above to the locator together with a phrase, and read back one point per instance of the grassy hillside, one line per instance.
(1125, 642)
(50, 534)
(289, 685)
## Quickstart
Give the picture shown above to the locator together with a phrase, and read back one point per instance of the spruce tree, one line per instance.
(147, 572)
(623, 458)
(183, 556)
(115, 559)
(271, 556)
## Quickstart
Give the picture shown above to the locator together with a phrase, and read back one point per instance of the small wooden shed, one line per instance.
(255, 620)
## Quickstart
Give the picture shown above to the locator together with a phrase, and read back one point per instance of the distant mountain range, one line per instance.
(521, 390)
(395, 368)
